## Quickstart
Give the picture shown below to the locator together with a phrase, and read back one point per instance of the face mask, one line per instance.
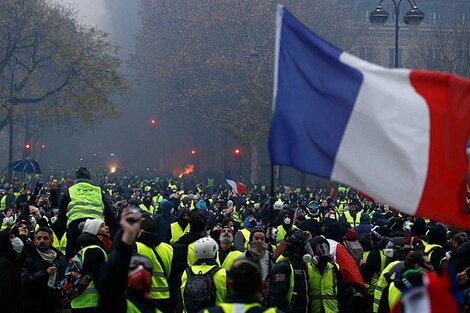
(139, 279)
(287, 221)
(17, 244)
(389, 252)
(274, 233)
(258, 249)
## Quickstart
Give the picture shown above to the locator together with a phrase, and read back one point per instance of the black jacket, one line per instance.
(10, 282)
(280, 280)
(114, 293)
(94, 257)
(37, 296)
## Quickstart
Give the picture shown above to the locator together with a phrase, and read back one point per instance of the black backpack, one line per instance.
(199, 291)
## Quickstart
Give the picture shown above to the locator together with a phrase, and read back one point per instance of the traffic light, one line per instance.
(153, 122)
(27, 146)
(193, 152)
(237, 152)
(43, 146)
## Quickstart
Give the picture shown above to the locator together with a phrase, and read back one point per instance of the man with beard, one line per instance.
(227, 252)
(180, 227)
(40, 275)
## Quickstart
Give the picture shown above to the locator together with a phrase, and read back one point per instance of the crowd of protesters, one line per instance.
(158, 246)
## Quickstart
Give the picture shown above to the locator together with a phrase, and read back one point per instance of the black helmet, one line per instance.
(296, 244)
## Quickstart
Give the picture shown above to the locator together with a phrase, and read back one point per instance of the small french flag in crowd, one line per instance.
(398, 135)
(237, 187)
(438, 294)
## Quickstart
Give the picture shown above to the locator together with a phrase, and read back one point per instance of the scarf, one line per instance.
(107, 242)
(49, 256)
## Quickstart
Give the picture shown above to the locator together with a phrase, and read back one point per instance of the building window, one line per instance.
(391, 57)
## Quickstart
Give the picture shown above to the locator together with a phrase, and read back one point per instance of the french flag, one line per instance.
(398, 135)
(237, 187)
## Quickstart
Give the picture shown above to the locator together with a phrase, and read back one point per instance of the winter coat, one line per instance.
(37, 296)
(10, 282)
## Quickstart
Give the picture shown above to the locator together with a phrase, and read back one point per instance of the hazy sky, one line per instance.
(92, 12)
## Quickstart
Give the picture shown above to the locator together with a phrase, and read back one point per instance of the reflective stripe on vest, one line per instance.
(89, 297)
(177, 231)
(85, 202)
(323, 289)
(159, 288)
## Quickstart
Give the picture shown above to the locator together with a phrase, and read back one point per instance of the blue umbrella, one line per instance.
(25, 166)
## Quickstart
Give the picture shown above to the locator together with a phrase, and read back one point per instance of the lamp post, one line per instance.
(413, 17)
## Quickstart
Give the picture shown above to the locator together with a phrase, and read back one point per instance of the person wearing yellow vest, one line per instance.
(415, 264)
(94, 244)
(285, 226)
(8, 199)
(227, 253)
(161, 256)
(244, 286)
(180, 227)
(146, 206)
(126, 277)
(205, 250)
(352, 216)
(80, 202)
(289, 278)
(324, 278)
(437, 239)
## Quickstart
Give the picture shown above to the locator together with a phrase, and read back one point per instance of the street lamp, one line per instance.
(413, 17)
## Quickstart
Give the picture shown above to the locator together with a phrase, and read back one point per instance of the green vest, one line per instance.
(354, 222)
(89, 297)
(191, 257)
(281, 233)
(323, 289)
(177, 231)
(150, 210)
(160, 275)
(229, 259)
(131, 308)
(85, 202)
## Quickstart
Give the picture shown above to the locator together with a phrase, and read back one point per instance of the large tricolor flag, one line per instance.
(398, 135)
(237, 187)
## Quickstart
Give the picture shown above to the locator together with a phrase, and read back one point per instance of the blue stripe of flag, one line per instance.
(315, 97)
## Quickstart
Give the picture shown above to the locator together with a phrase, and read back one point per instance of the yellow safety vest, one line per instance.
(229, 259)
(85, 202)
(393, 295)
(219, 278)
(150, 210)
(373, 283)
(323, 289)
(3, 203)
(381, 285)
(350, 220)
(89, 297)
(230, 308)
(131, 308)
(281, 233)
(191, 257)
(177, 231)
(161, 272)
(246, 234)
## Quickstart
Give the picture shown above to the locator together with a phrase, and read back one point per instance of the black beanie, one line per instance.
(82, 173)
(197, 222)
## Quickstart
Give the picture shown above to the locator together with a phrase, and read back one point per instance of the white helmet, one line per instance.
(205, 248)
(278, 205)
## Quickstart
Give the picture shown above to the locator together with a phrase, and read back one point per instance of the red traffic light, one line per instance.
(237, 152)
(43, 146)
(153, 122)
(27, 146)
(193, 152)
